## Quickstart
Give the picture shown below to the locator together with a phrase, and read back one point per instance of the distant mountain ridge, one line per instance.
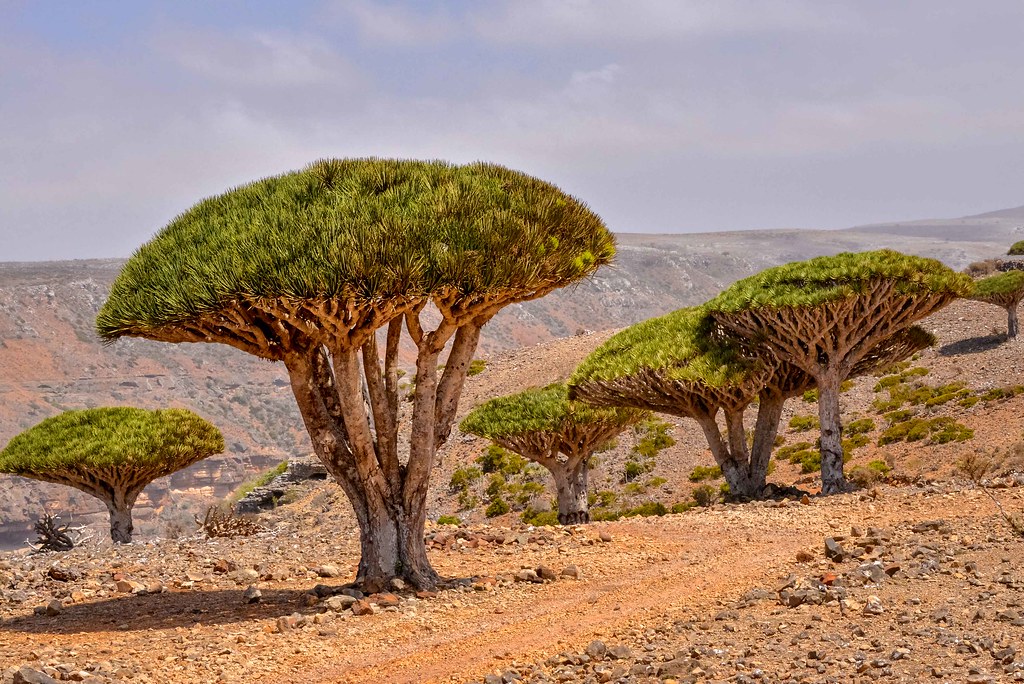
(51, 359)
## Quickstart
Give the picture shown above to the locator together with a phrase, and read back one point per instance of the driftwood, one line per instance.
(56, 537)
(220, 523)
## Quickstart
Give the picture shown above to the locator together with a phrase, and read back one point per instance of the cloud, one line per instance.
(378, 23)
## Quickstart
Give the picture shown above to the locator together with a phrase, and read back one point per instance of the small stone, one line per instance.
(571, 571)
(398, 584)
(54, 607)
(604, 536)
(619, 652)
(527, 575)
(362, 607)
(546, 573)
(385, 600)
(222, 566)
(287, 623)
(805, 500)
(156, 588)
(246, 576)
(309, 600)
(27, 675)
(252, 594)
(340, 603)
(803, 556)
(856, 531)
(328, 570)
(596, 649)
(834, 551)
(60, 574)
(873, 606)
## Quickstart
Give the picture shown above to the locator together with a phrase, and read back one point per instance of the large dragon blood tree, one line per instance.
(1005, 290)
(111, 453)
(545, 426)
(685, 364)
(825, 315)
(306, 267)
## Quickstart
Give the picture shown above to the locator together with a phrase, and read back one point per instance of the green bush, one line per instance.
(448, 520)
(786, 453)
(646, 510)
(683, 506)
(887, 382)
(968, 402)
(705, 495)
(476, 367)
(635, 469)
(539, 518)
(495, 485)
(860, 426)
(605, 498)
(811, 462)
(497, 507)
(656, 482)
(856, 442)
(940, 430)
(900, 416)
(467, 500)
(634, 488)
(803, 423)
(810, 396)
(880, 467)
(463, 477)
(701, 473)
(498, 460)
(1016, 249)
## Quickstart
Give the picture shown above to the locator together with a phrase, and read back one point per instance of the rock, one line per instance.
(1007, 615)
(928, 526)
(156, 588)
(873, 606)
(60, 574)
(128, 587)
(805, 500)
(328, 570)
(27, 675)
(803, 556)
(222, 566)
(546, 573)
(54, 607)
(385, 600)
(309, 600)
(604, 536)
(398, 584)
(834, 551)
(527, 575)
(856, 531)
(571, 571)
(340, 603)
(287, 623)
(596, 649)
(362, 607)
(246, 576)
(252, 594)
(619, 652)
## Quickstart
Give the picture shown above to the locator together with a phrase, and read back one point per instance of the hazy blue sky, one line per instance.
(664, 115)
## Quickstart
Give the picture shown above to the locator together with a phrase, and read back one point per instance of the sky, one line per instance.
(664, 116)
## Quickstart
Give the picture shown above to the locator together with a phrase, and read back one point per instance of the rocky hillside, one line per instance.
(52, 361)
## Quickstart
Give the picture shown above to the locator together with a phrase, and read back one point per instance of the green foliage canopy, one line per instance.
(123, 438)
(680, 346)
(1007, 286)
(542, 410)
(806, 284)
(1016, 249)
(352, 232)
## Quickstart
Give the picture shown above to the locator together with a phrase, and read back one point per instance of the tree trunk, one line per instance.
(571, 486)
(832, 479)
(1012, 327)
(769, 413)
(392, 545)
(121, 527)
(732, 458)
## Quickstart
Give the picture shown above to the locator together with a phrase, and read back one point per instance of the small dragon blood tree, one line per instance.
(825, 315)
(545, 426)
(1005, 290)
(306, 267)
(111, 453)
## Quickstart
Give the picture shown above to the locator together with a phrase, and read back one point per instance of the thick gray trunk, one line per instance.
(392, 545)
(571, 486)
(121, 526)
(832, 479)
(732, 457)
(1012, 327)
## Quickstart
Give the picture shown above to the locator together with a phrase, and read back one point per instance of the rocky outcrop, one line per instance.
(263, 498)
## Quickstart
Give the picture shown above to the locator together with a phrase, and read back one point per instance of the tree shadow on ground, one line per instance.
(134, 613)
(973, 345)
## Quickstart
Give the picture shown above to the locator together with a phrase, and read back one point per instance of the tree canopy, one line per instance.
(1005, 290)
(1016, 249)
(111, 453)
(306, 267)
(334, 249)
(159, 442)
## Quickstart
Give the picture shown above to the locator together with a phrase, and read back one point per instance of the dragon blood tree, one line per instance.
(1005, 290)
(306, 267)
(111, 453)
(684, 364)
(827, 314)
(545, 426)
